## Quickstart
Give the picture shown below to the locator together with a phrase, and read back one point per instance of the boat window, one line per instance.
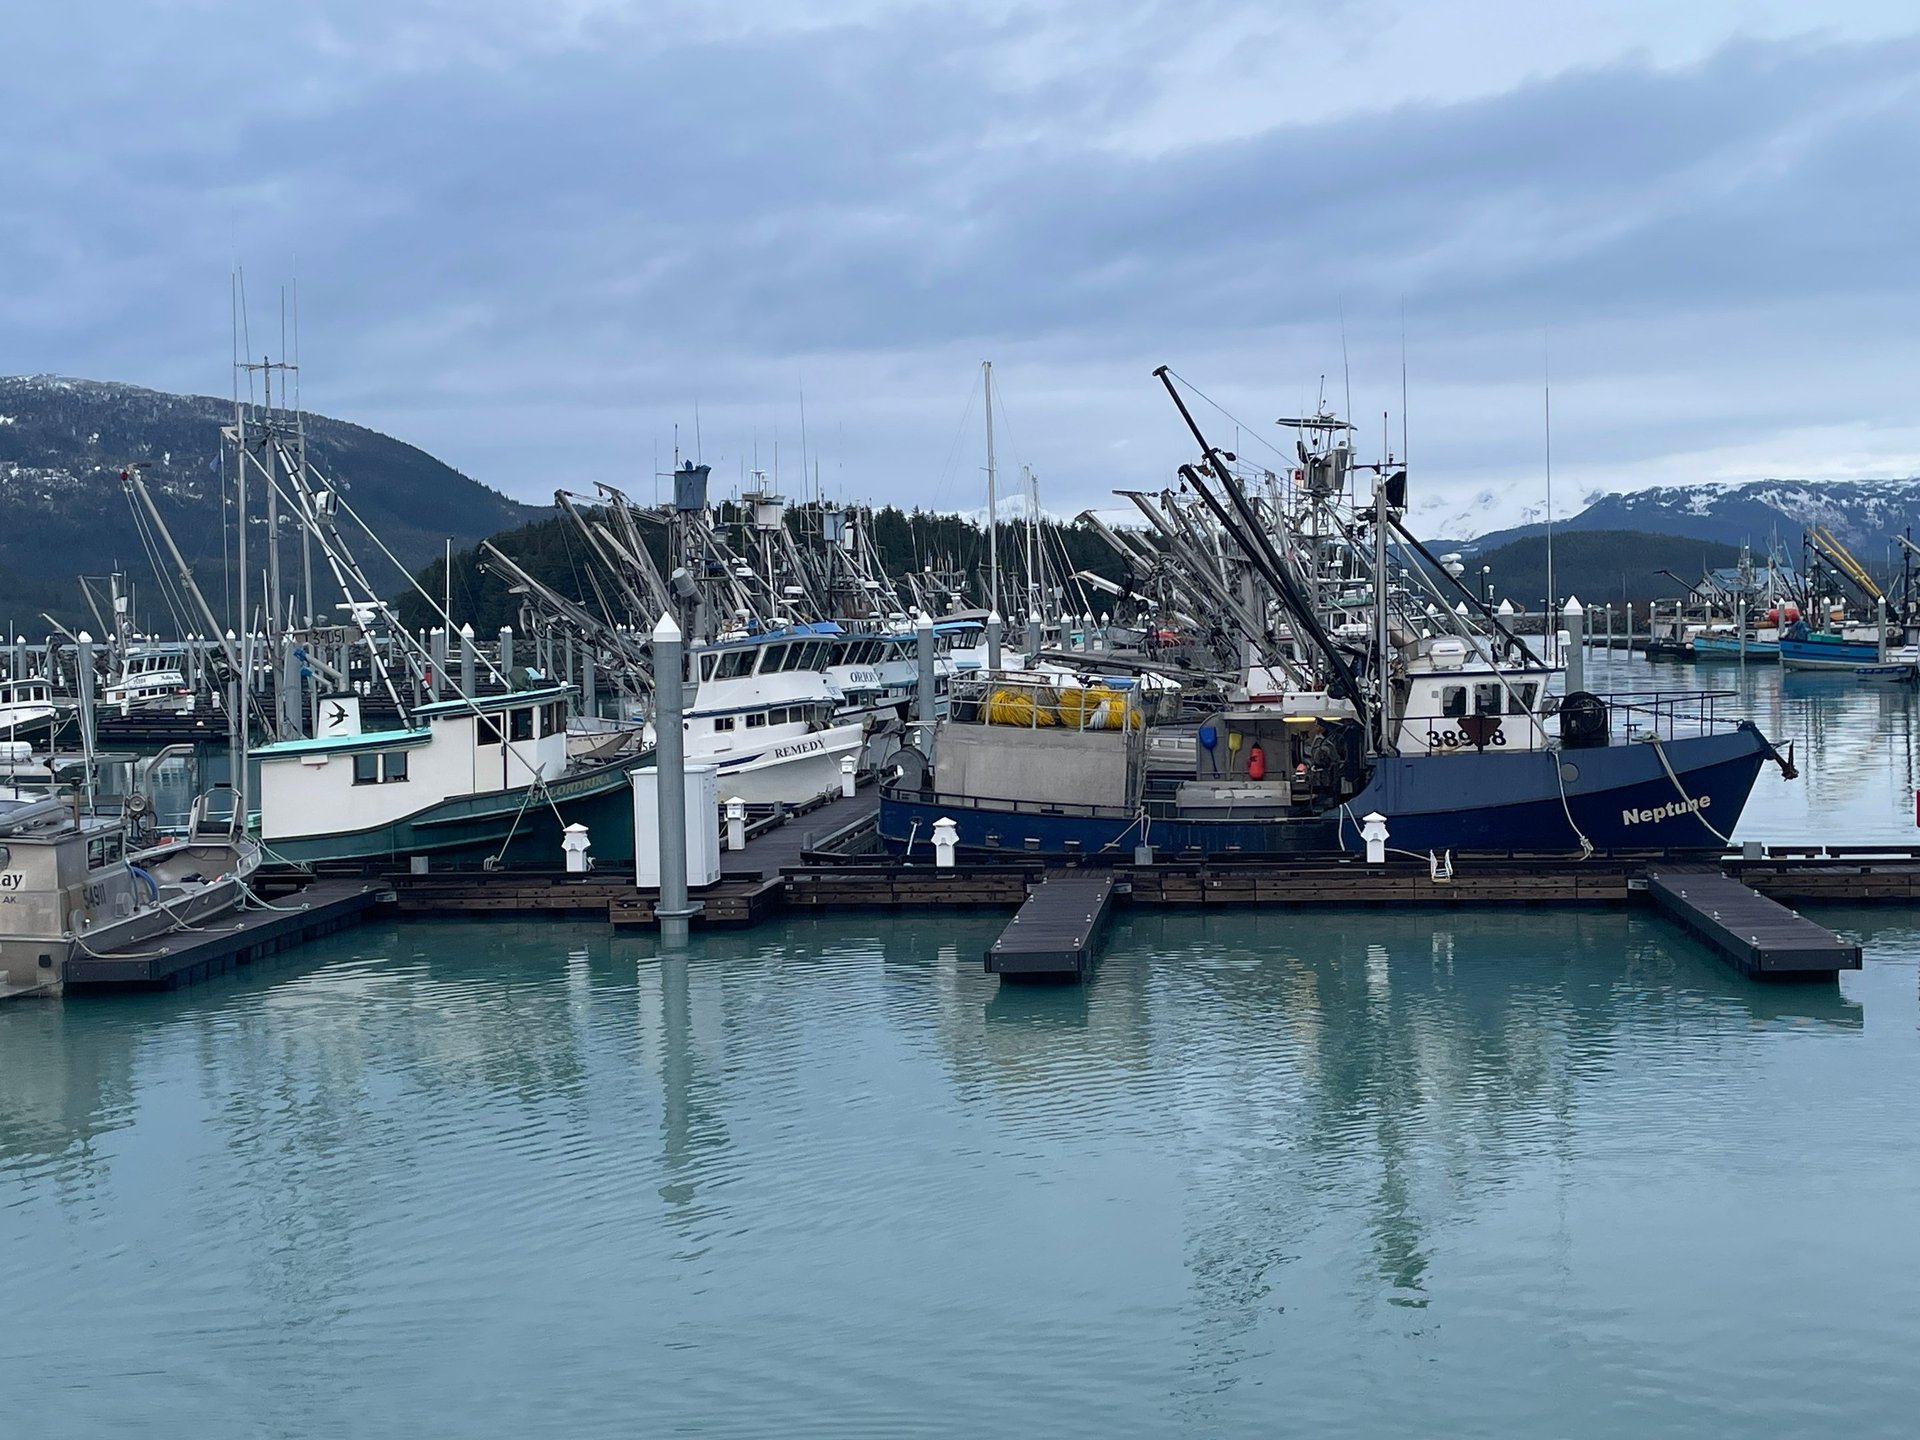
(707, 662)
(393, 765)
(723, 722)
(366, 769)
(796, 658)
(555, 722)
(1453, 701)
(104, 850)
(774, 658)
(1521, 702)
(520, 723)
(756, 721)
(486, 730)
(1486, 699)
(736, 663)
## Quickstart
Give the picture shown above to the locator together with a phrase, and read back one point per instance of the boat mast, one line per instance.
(1383, 640)
(993, 511)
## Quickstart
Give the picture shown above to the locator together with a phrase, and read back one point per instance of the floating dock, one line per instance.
(1054, 935)
(1757, 936)
(823, 857)
(238, 938)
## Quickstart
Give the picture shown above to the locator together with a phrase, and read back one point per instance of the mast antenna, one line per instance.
(1546, 377)
(1346, 370)
(1403, 380)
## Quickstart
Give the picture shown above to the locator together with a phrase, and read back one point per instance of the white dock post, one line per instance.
(1374, 832)
(506, 649)
(670, 762)
(1883, 630)
(736, 823)
(846, 777)
(468, 658)
(575, 845)
(437, 652)
(924, 702)
(996, 628)
(946, 837)
(1575, 654)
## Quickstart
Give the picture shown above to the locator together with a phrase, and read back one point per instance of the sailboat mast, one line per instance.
(993, 509)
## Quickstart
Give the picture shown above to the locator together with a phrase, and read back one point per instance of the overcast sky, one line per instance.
(533, 235)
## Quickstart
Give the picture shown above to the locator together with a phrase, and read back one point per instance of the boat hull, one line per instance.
(1616, 797)
(1720, 648)
(1828, 654)
(786, 771)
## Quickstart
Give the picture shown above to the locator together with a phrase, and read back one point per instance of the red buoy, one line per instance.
(1256, 764)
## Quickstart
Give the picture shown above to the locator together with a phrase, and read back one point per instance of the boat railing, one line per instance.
(1632, 715)
(1670, 714)
(1064, 809)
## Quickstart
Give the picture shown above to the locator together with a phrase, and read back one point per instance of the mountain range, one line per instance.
(1865, 515)
(64, 511)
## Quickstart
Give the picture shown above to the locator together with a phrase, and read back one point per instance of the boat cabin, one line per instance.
(57, 877)
(1453, 702)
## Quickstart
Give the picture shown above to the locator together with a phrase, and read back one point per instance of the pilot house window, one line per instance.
(366, 769)
(1453, 701)
(521, 722)
(1486, 699)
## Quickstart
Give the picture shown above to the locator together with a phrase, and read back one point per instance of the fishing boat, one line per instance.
(1726, 643)
(764, 715)
(484, 778)
(70, 885)
(29, 712)
(1846, 649)
(1386, 696)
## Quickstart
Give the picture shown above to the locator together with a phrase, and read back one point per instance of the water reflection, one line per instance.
(840, 1148)
(1854, 743)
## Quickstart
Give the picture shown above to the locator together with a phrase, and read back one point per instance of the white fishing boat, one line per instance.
(28, 711)
(150, 678)
(480, 778)
(765, 716)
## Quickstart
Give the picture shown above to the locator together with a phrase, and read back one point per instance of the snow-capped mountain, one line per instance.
(1865, 515)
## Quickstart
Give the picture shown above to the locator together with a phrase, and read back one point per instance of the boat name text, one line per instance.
(1666, 812)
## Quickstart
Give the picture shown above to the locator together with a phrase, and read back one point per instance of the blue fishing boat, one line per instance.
(1386, 697)
(1824, 650)
(1729, 647)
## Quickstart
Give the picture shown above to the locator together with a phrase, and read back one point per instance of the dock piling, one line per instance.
(670, 765)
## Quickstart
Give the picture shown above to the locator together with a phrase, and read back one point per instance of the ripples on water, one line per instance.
(1356, 1172)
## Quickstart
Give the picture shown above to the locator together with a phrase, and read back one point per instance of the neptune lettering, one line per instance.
(1666, 812)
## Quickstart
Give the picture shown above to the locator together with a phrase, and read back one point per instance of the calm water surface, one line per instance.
(1354, 1172)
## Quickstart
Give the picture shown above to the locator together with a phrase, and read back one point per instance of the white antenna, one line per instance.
(993, 511)
(1546, 378)
(1346, 370)
(1403, 381)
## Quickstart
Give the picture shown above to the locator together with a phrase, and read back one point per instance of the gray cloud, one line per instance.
(535, 258)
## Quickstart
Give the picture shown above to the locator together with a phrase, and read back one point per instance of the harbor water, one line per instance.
(1357, 1172)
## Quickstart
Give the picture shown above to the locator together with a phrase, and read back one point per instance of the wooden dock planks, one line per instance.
(1756, 935)
(1054, 934)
